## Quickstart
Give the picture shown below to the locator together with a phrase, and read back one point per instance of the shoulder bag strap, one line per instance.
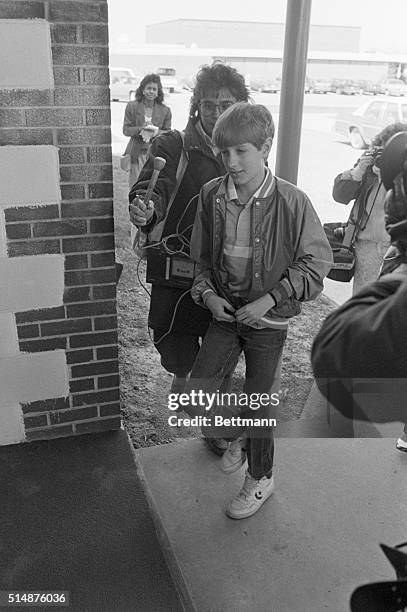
(353, 229)
(156, 232)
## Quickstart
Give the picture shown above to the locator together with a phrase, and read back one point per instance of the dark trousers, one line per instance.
(177, 352)
(217, 358)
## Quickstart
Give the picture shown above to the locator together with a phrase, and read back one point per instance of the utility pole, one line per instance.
(292, 88)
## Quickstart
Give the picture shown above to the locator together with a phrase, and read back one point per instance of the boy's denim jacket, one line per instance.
(291, 254)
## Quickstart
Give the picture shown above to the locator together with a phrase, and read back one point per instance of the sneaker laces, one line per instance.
(236, 447)
(248, 484)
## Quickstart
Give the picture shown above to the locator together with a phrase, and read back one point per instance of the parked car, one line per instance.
(320, 86)
(361, 125)
(273, 86)
(371, 88)
(393, 87)
(123, 84)
(308, 85)
(346, 87)
(168, 79)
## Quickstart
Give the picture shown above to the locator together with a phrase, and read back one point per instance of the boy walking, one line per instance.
(260, 250)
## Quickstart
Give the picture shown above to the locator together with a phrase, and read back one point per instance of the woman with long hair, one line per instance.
(144, 118)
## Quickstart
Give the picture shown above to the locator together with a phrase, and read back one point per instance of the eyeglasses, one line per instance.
(208, 108)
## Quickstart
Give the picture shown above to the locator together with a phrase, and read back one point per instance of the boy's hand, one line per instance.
(219, 307)
(140, 214)
(250, 313)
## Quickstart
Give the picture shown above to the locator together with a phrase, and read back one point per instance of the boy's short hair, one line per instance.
(243, 122)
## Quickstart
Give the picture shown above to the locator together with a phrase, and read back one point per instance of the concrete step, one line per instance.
(311, 544)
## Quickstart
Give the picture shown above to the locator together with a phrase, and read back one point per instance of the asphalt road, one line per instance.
(322, 154)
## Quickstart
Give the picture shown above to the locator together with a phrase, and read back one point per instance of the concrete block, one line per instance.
(31, 213)
(24, 97)
(26, 44)
(11, 425)
(64, 33)
(26, 136)
(96, 76)
(8, 335)
(33, 247)
(80, 11)
(51, 117)
(28, 282)
(38, 184)
(88, 135)
(32, 377)
(95, 34)
(80, 55)
(66, 75)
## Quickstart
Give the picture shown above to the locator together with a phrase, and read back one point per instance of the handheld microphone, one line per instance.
(140, 239)
(158, 164)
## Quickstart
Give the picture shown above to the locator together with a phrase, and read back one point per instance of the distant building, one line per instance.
(212, 33)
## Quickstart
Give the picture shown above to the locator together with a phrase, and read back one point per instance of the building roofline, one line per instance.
(280, 23)
(262, 54)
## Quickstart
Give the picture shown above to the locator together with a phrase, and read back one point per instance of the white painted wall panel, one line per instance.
(29, 175)
(3, 239)
(25, 49)
(11, 425)
(8, 335)
(31, 282)
(29, 377)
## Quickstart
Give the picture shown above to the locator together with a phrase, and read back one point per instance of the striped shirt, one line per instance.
(238, 248)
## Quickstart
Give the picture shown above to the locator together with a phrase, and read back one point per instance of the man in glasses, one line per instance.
(178, 323)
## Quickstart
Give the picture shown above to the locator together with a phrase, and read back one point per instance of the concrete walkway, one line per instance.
(74, 518)
(309, 546)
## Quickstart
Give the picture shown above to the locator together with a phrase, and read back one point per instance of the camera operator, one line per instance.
(360, 353)
(364, 185)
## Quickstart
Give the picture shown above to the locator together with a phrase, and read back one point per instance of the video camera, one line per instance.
(376, 153)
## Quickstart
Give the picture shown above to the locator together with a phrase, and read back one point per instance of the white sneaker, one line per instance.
(251, 497)
(401, 443)
(234, 456)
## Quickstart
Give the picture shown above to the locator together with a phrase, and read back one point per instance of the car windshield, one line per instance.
(362, 109)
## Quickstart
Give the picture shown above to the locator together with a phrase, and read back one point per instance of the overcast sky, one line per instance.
(383, 23)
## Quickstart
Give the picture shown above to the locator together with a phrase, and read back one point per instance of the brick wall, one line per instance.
(74, 117)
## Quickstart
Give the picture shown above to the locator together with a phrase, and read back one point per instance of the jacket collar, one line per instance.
(195, 141)
(267, 188)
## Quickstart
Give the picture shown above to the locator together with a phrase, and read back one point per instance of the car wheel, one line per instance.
(356, 139)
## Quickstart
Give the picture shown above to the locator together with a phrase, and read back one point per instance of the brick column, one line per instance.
(70, 113)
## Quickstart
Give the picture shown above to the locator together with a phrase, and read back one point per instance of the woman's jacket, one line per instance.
(134, 120)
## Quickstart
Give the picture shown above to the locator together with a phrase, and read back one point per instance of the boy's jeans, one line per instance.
(216, 359)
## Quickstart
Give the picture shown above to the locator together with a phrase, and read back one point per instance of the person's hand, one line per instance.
(220, 308)
(363, 164)
(140, 214)
(253, 312)
(148, 132)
